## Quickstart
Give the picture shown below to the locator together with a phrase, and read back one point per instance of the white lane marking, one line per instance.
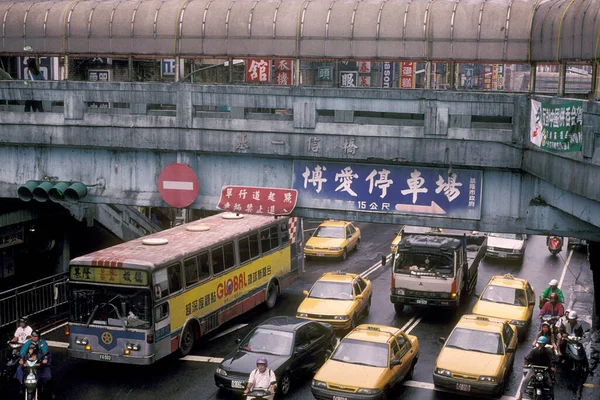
(62, 345)
(228, 331)
(375, 267)
(431, 386)
(406, 325)
(178, 185)
(413, 325)
(216, 360)
(564, 271)
(55, 328)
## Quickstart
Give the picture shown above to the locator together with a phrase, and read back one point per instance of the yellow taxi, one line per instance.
(337, 298)
(367, 364)
(507, 297)
(477, 356)
(333, 239)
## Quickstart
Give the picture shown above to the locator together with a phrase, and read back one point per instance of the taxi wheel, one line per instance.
(357, 245)
(411, 372)
(353, 322)
(344, 254)
(368, 307)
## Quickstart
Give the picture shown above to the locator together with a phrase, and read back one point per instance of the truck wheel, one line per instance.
(398, 308)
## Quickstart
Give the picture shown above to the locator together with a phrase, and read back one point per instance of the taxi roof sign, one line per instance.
(373, 328)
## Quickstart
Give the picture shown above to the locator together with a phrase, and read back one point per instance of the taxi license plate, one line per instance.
(237, 384)
(421, 301)
(320, 254)
(105, 357)
(339, 398)
(463, 386)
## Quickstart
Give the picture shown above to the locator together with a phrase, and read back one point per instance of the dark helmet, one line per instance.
(263, 361)
(35, 333)
(23, 320)
(33, 346)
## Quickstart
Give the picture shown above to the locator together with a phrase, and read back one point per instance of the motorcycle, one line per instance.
(31, 379)
(537, 387)
(575, 356)
(11, 364)
(555, 244)
(259, 394)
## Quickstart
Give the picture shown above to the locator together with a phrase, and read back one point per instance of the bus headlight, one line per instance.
(132, 346)
(80, 341)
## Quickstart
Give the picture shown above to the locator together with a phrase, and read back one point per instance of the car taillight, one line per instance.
(150, 338)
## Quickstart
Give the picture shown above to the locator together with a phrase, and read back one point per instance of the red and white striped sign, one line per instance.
(178, 185)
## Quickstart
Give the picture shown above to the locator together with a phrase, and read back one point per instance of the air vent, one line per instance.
(155, 241)
(230, 215)
(198, 228)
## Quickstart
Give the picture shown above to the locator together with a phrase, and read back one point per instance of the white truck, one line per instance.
(435, 269)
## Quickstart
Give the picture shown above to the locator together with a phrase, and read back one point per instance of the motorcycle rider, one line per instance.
(552, 307)
(571, 327)
(546, 330)
(35, 338)
(542, 356)
(33, 352)
(22, 333)
(262, 378)
(552, 288)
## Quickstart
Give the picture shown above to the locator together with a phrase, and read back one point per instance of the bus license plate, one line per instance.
(237, 384)
(464, 387)
(105, 357)
(421, 301)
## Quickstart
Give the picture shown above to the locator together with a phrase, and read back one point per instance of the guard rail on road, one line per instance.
(33, 298)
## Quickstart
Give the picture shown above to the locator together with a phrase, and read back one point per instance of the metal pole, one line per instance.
(130, 68)
(66, 68)
(562, 76)
(595, 78)
(532, 76)
(230, 70)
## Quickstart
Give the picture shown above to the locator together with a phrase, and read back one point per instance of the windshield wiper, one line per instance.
(481, 351)
(359, 363)
(456, 347)
(499, 302)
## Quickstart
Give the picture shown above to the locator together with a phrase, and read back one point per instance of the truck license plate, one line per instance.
(105, 357)
(502, 255)
(463, 386)
(237, 384)
(339, 398)
(421, 301)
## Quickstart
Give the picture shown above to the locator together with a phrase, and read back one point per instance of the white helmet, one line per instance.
(572, 315)
(553, 282)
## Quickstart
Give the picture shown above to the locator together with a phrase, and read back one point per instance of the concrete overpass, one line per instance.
(121, 151)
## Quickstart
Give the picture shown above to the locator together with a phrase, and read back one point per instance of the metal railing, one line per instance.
(33, 298)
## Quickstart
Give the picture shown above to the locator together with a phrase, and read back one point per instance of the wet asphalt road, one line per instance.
(175, 379)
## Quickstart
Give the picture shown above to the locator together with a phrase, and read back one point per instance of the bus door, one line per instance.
(162, 329)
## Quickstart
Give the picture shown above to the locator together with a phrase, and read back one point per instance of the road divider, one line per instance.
(61, 345)
(375, 267)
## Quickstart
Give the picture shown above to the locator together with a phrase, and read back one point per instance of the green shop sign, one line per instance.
(556, 127)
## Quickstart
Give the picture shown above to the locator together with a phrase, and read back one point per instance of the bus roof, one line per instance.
(184, 239)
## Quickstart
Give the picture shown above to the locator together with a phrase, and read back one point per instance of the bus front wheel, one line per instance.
(187, 341)
(272, 292)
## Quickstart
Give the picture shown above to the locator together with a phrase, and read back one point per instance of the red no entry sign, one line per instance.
(178, 185)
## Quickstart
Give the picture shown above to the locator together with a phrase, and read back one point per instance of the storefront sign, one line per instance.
(115, 276)
(556, 127)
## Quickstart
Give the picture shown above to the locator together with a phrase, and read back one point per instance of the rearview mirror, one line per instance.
(395, 363)
(305, 292)
(442, 340)
(238, 340)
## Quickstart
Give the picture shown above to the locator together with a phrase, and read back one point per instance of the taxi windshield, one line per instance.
(268, 341)
(331, 232)
(331, 290)
(504, 295)
(362, 353)
(477, 341)
(424, 264)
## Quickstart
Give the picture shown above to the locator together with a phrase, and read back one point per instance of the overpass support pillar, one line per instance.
(594, 257)
(596, 80)
(74, 106)
(305, 115)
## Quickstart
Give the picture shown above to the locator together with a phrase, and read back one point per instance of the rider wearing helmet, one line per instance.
(22, 333)
(35, 338)
(571, 327)
(262, 378)
(542, 356)
(547, 331)
(552, 307)
(552, 288)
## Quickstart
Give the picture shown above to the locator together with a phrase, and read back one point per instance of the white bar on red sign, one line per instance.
(178, 185)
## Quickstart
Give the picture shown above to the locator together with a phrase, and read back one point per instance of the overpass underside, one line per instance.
(267, 137)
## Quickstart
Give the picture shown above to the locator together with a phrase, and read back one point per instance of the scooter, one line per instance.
(555, 244)
(11, 364)
(259, 394)
(31, 379)
(537, 387)
(575, 356)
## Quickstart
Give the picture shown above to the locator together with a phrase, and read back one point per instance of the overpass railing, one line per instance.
(33, 299)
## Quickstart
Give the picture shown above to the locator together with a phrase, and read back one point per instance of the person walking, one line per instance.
(34, 74)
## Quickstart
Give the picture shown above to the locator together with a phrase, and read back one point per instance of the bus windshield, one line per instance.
(110, 306)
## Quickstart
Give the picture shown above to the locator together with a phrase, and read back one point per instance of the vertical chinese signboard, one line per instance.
(283, 72)
(387, 77)
(407, 77)
(325, 73)
(258, 71)
(97, 75)
(389, 189)
(487, 77)
(364, 69)
(556, 127)
(348, 73)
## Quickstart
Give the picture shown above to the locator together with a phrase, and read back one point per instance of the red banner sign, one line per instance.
(258, 200)
(407, 79)
(258, 70)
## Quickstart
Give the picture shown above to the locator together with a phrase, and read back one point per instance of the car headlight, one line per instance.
(335, 248)
(368, 391)
(341, 317)
(318, 384)
(517, 323)
(487, 379)
(301, 315)
(443, 372)
(400, 292)
(517, 250)
(539, 376)
(221, 371)
(491, 248)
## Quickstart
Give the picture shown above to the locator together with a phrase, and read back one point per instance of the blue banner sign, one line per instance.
(438, 192)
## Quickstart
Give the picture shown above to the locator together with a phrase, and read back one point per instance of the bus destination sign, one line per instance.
(113, 276)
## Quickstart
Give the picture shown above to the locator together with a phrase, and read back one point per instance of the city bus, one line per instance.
(142, 300)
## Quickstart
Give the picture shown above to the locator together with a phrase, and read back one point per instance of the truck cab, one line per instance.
(435, 268)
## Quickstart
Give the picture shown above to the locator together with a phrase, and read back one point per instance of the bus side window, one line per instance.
(174, 276)
(244, 245)
(217, 260)
(161, 312)
(191, 271)
(229, 254)
(285, 234)
(254, 250)
(265, 243)
(203, 266)
(274, 235)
